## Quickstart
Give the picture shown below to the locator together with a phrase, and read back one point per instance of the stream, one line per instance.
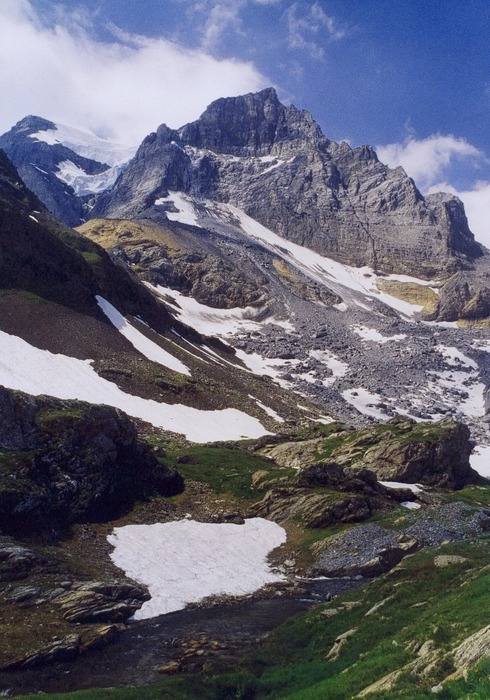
(223, 632)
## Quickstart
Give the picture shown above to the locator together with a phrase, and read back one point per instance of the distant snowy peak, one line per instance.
(84, 143)
(62, 164)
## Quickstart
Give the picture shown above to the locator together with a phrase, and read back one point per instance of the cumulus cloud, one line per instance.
(122, 90)
(310, 28)
(428, 160)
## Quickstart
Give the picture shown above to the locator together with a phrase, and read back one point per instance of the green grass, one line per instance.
(225, 469)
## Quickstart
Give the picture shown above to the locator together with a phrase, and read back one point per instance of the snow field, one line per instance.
(375, 336)
(34, 371)
(186, 213)
(185, 561)
(480, 460)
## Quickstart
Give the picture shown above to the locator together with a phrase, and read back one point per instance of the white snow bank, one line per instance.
(456, 357)
(414, 488)
(27, 368)
(185, 214)
(270, 411)
(139, 341)
(82, 182)
(412, 505)
(336, 366)
(480, 460)
(372, 334)
(364, 401)
(185, 561)
(210, 321)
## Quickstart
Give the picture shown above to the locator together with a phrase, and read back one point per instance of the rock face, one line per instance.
(97, 601)
(405, 451)
(342, 498)
(436, 460)
(273, 162)
(67, 461)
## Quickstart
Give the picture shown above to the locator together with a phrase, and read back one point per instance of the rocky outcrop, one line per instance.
(195, 265)
(16, 562)
(98, 601)
(273, 162)
(67, 461)
(435, 454)
(343, 498)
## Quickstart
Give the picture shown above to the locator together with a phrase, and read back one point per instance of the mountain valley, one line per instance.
(250, 324)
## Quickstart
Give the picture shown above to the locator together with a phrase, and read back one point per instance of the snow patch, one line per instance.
(414, 488)
(270, 412)
(83, 183)
(87, 144)
(185, 561)
(144, 345)
(364, 402)
(34, 371)
(375, 336)
(185, 214)
(480, 460)
(219, 322)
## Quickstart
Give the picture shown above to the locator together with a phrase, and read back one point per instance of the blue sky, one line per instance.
(410, 77)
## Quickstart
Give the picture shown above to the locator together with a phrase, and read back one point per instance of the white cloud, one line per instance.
(428, 160)
(310, 28)
(122, 90)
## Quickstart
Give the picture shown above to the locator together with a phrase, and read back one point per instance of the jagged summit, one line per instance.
(33, 123)
(273, 162)
(250, 125)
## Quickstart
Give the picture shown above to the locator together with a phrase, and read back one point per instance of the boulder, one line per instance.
(16, 562)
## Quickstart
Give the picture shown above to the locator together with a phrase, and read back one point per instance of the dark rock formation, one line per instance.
(67, 461)
(435, 455)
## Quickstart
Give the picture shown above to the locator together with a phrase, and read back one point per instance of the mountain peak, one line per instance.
(250, 125)
(33, 123)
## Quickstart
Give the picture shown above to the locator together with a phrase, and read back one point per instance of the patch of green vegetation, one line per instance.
(224, 469)
(50, 419)
(93, 259)
(30, 296)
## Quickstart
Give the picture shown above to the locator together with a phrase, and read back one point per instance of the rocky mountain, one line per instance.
(65, 167)
(274, 163)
